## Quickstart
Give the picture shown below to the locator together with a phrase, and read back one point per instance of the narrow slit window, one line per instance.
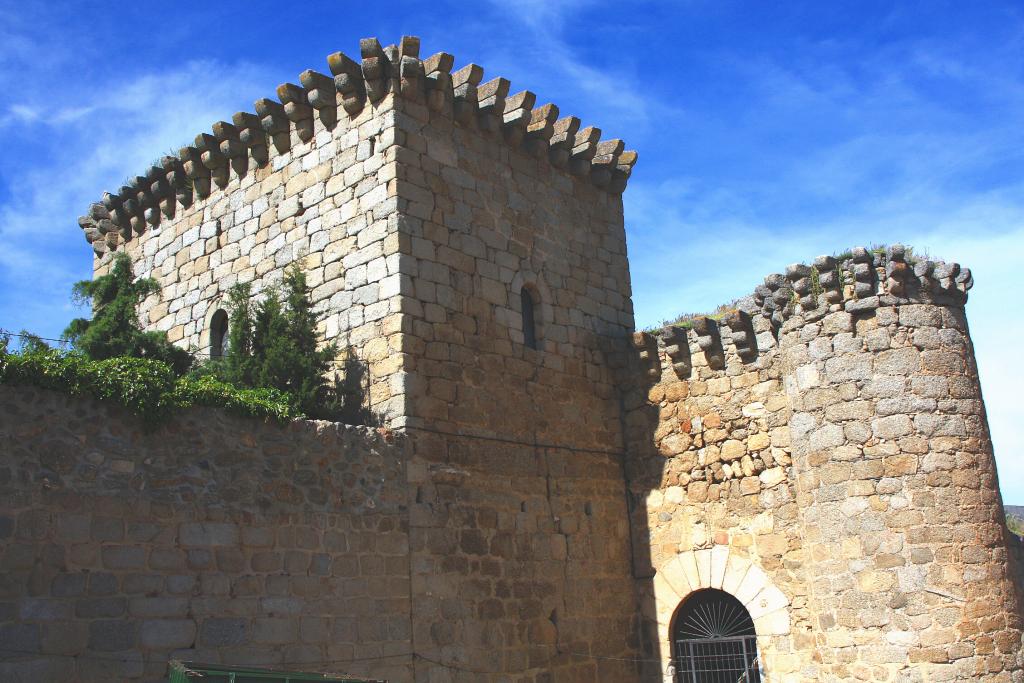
(219, 334)
(529, 321)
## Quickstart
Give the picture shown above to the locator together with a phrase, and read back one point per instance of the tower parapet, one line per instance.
(321, 102)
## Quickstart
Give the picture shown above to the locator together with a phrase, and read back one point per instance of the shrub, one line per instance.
(114, 329)
(146, 387)
(273, 343)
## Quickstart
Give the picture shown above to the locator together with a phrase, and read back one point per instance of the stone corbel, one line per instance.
(179, 182)
(92, 235)
(539, 129)
(375, 68)
(410, 69)
(897, 271)
(136, 222)
(438, 80)
(606, 157)
(584, 148)
(491, 103)
(322, 96)
(231, 147)
(163, 193)
(517, 115)
(114, 205)
(862, 267)
(465, 94)
(741, 331)
(252, 136)
(829, 279)
(709, 339)
(274, 123)
(147, 203)
(212, 158)
(799, 276)
(677, 346)
(623, 170)
(563, 139)
(192, 162)
(348, 80)
(297, 109)
(646, 347)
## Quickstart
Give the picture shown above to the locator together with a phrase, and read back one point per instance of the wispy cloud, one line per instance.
(613, 93)
(88, 145)
(894, 163)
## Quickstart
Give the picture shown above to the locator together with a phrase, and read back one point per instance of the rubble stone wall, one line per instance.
(213, 539)
(828, 462)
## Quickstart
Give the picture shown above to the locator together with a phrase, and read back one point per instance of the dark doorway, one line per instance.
(713, 640)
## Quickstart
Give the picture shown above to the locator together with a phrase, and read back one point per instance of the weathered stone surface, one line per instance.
(821, 450)
(862, 492)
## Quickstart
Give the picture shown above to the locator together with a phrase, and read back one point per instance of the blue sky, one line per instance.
(768, 132)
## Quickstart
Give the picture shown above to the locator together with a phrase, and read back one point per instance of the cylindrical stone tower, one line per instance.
(909, 568)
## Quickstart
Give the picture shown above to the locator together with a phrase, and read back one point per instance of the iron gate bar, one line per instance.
(731, 659)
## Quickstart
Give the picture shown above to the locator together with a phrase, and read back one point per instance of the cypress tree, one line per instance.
(114, 329)
(273, 343)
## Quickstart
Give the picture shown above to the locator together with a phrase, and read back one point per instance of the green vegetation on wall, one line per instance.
(146, 387)
(274, 368)
(273, 343)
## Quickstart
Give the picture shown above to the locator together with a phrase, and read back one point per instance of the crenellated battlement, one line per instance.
(321, 101)
(859, 281)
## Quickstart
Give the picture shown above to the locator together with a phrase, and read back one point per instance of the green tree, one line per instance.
(114, 329)
(32, 343)
(238, 366)
(273, 343)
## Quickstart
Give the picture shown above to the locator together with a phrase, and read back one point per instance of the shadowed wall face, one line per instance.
(520, 546)
(212, 539)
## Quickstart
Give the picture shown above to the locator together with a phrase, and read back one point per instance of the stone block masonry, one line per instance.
(828, 445)
(391, 185)
(212, 539)
(820, 452)
(423, 208)
(312, 546)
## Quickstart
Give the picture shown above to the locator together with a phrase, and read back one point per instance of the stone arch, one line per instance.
(733, 573)
(543, 310)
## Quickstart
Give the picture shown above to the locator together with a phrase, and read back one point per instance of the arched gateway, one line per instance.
(713, 640)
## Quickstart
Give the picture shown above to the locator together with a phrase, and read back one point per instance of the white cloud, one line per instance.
(894, 163)
(88, 145)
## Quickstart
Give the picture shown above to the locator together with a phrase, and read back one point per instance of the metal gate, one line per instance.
(718, 660)
(714, 640)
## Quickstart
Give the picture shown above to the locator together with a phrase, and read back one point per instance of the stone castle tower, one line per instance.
(801, 490)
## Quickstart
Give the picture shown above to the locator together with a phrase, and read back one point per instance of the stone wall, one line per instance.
(312, 546)
(421, 201)
(520, 563)
(411, 197)
(517, 448)
(824, 456)
(213, 539)
(325, 202)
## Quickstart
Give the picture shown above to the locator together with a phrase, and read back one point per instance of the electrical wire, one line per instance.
(67, 342)
(352, 660)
